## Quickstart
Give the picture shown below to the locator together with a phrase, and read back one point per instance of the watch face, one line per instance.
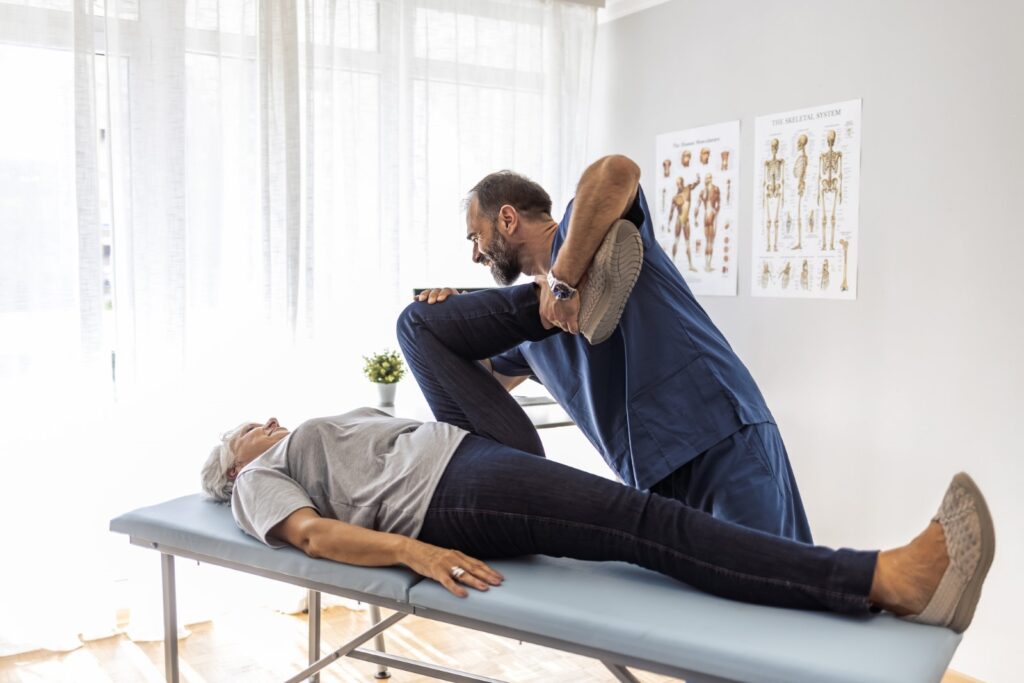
(561, 291)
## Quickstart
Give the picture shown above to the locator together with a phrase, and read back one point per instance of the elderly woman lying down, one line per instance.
(368, 489)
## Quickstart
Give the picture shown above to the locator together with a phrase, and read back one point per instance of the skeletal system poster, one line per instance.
(695, 204)
(806, 198)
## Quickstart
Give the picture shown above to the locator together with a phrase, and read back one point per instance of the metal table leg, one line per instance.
(170, 619)
(378, 642)
(313, 610)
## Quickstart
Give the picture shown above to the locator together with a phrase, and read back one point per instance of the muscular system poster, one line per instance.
(695, 204)
(806, 198)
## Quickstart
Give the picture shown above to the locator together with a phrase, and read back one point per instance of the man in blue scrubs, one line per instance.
(665, 400)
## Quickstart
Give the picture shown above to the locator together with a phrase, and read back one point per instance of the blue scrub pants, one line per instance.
(745, 479)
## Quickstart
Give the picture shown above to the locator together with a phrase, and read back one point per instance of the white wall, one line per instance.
(882, 399)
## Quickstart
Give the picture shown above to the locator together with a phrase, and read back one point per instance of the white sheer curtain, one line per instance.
(209, 209)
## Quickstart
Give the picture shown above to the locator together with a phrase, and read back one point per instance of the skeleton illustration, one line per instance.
(810, 223)
(766, 275)
(800, 172)
(805, 276)
(824, 274)
(830, 186)
(789, 222)
(686, 158)
(786, 272)
(845, 245)
(725, 160)
(774, 187)
(705, 156)
(728, 192)
(681, 209)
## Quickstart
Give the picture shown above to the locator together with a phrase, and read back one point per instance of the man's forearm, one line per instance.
(605, 192)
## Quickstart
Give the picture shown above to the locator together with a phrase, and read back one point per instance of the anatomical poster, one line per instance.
(806, 197)
(695, 204)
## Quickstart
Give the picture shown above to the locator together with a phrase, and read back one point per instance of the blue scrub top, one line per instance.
(664, 388)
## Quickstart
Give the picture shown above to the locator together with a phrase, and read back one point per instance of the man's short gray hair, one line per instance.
(509, 187)
(215, 471)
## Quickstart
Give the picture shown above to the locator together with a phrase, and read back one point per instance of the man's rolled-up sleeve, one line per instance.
(512, 363)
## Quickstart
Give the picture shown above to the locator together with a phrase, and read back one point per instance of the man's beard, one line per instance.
(503, 260)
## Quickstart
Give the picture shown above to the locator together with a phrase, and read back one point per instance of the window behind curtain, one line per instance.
(144, 286)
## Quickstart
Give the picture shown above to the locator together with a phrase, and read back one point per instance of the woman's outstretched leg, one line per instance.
(494, 502)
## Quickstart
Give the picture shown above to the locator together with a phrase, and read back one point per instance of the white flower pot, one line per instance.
(387, 393)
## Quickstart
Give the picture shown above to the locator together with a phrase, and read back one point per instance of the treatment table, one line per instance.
(617, 613)
(622, 615)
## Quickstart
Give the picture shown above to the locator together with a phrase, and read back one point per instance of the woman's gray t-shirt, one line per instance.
(364, 467)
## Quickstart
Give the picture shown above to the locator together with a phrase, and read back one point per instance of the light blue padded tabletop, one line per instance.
(201, 526)
(619, 608)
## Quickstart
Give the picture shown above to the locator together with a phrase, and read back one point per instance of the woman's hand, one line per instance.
(436, 295)
(437, 564)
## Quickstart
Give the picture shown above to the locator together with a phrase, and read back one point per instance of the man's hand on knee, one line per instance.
(436, 295)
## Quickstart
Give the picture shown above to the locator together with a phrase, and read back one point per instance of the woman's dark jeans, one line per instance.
(498, 499)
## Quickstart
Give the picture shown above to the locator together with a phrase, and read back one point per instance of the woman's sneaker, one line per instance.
(610, 280)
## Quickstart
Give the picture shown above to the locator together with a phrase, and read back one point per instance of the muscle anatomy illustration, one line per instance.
(711, 201)
(681, 210)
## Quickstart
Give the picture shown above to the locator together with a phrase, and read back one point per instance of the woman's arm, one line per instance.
(335, 540)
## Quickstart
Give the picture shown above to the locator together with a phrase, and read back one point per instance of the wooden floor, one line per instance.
(263, 645)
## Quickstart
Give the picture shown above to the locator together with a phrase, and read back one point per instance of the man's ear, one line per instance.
(232, 473)
(508, 219)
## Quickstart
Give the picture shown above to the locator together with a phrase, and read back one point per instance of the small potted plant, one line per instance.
(384, 369)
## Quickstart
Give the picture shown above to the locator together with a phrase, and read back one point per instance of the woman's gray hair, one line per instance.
(215, 471)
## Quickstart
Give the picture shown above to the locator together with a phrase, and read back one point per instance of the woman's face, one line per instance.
(254, 440)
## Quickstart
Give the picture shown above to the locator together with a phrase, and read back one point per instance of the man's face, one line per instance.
(490, 247)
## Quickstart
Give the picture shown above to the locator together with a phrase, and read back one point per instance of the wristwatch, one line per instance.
(561, 290)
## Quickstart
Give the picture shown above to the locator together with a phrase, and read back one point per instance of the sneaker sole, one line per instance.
(623, 252)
